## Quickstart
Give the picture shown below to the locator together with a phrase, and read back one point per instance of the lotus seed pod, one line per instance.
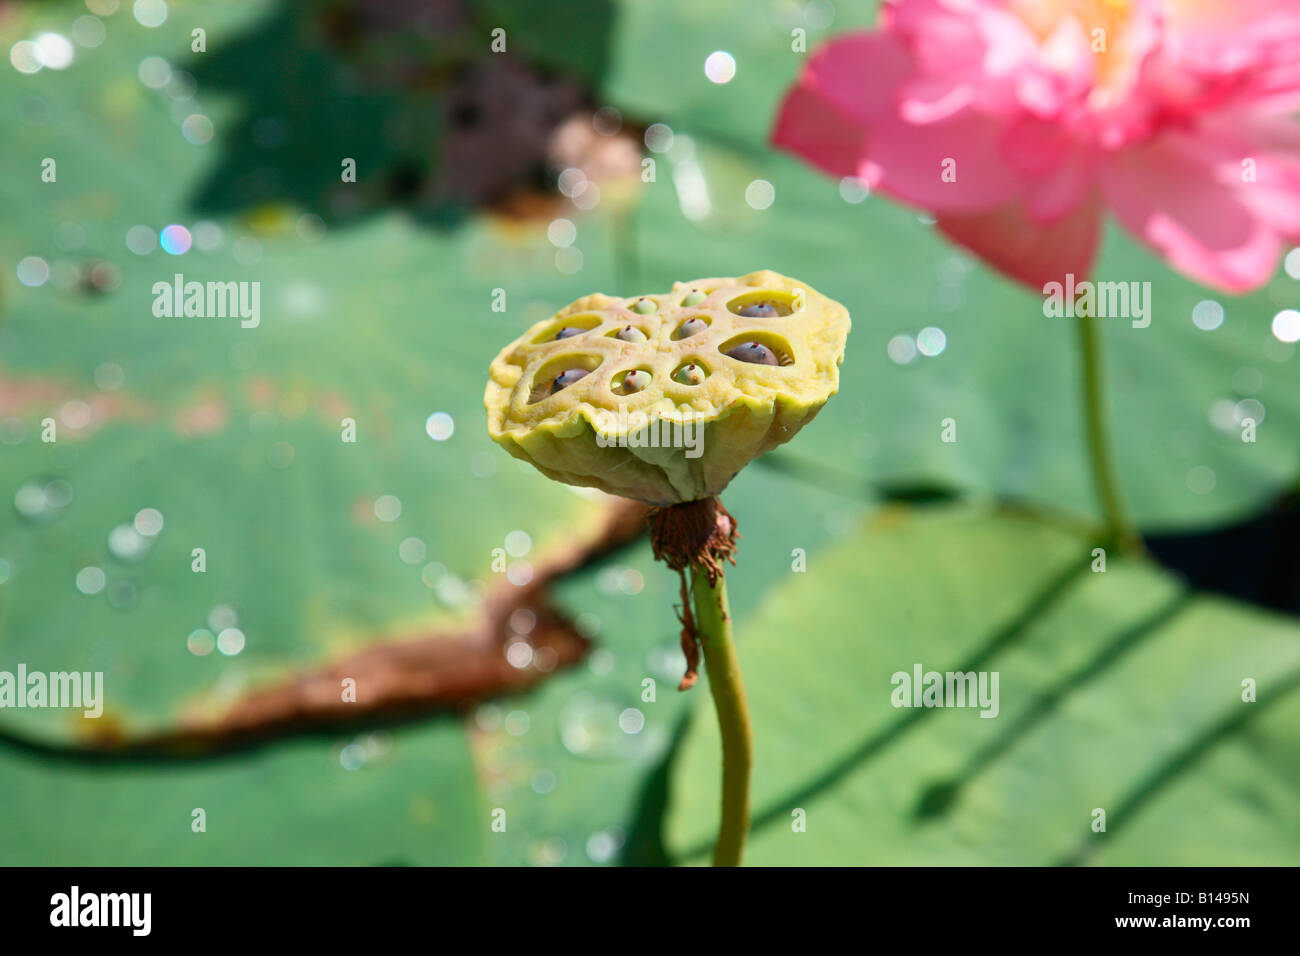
(662, 418)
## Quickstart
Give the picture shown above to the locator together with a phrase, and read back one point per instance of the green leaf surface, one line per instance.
(235, 434)
(656, 70)
(384, 799)
(1117, 690)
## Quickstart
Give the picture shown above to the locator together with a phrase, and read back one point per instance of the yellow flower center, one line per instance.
(1104, 23)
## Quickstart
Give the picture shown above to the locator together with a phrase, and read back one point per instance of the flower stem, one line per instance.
(713, 623)
(627, 266)
(1121, 531)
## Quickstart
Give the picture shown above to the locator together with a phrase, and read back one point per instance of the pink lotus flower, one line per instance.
(1017, 122)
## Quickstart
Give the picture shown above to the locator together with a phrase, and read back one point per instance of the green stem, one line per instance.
(1121, 531)
(627, 266)
(713, 623)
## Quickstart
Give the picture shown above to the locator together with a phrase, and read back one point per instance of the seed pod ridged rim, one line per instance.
(746, 408)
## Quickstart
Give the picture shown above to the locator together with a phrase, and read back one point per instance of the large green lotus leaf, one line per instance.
(295, 549)
(236, 434)
(1118, 691)
(118, 144)
(579, 786)
(400, 798)
(572, 37)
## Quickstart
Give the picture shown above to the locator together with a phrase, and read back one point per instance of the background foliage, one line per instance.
(1120, 690)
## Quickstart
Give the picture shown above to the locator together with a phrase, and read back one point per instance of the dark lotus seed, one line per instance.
(759, 310)
(691, 327)
(567, 378)
(568, 331)
(755, 353)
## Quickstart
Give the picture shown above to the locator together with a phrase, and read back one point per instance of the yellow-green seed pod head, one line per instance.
(663, 398)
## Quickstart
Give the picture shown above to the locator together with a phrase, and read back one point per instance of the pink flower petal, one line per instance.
(846, 84)
(932, 99)
(820, 132)
(859, 73)
(1012, 243)
(1056, 194)
(999, 117)
(1259, 158)
(953, 165)
(1168, 194)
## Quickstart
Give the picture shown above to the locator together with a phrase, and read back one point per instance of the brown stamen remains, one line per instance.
(700, 534)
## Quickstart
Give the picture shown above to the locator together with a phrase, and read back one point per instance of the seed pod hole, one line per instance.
(561, 373)
(567, 378)
(690, 373)
(631, 381)
(763, 305)
(692, 326)
(755, 353)
(567, 327)
(758, 348)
